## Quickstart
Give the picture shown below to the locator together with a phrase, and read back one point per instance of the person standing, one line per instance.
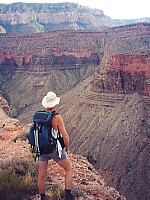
(49, 102)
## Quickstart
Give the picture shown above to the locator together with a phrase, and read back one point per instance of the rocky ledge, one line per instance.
(87, 182)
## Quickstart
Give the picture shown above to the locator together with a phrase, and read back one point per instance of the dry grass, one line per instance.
(18, 180)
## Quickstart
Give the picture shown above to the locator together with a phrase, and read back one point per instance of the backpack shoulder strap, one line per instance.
(55, 113)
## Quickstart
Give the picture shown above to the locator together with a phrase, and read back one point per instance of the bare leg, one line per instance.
(41, 176)
(66, 164)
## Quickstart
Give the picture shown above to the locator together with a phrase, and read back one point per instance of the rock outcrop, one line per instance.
(35, 17)
(126, 67)
(6, 122)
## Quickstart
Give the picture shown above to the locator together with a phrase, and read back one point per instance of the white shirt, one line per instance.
(58, 147)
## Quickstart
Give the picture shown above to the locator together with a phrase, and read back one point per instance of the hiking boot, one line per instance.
(44, 197)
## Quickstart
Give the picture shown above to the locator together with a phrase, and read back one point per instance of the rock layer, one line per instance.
(112, 124)
(38, 61)
(32, 18)
(125, 67)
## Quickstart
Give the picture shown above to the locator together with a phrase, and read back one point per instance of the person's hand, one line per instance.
(67, 150)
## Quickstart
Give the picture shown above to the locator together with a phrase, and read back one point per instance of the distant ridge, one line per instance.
(39, 17)
(118, 22)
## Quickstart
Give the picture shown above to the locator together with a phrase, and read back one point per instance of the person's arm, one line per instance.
(62, 129)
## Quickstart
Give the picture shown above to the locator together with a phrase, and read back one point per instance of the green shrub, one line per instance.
(12, 186)
(18, 179)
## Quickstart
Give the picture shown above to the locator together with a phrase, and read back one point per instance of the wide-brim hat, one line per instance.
(50, 100)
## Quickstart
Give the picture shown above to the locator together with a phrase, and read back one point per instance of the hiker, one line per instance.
(49, 102)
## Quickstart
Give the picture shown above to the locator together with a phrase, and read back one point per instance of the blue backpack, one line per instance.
(40, 136)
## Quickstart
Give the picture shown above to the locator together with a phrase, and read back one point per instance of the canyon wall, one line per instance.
(125, 68)
(35, 64)
(36, 17)
(28, 63)
(112, 124)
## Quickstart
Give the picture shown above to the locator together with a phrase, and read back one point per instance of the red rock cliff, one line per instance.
(125, 67)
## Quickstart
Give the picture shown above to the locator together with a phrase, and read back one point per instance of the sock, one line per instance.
(68, 193)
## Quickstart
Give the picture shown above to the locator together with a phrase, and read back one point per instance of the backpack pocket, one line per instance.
(47, 149)
(31, 136)
(47, 144)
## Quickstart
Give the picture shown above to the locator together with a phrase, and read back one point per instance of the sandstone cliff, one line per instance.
(34, 17)
(125, 67)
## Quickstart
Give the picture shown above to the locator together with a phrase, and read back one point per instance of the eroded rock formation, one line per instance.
(113, 131)
(6, 122)
(32, 18)
(125, 68)
(125, 74)
(45, 62)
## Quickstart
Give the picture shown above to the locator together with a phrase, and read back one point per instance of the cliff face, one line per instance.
(29, 18)
(126, 67)
(112, 131)
(124, 74)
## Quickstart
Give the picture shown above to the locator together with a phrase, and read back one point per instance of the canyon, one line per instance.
(103, 78)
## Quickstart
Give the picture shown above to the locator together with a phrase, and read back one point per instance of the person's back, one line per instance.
(60, 153)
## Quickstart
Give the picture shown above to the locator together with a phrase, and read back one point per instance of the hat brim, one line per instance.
(46, 104)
